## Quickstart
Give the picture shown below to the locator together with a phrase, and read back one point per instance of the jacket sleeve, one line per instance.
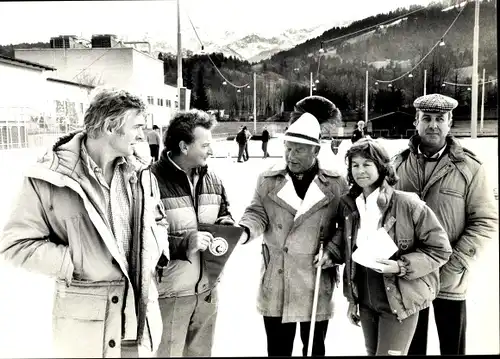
(481, 217)
(255, 218)
(224, 213)
(27, 240)
(433, 249)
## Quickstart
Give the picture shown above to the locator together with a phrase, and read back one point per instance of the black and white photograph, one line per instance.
(234, 178)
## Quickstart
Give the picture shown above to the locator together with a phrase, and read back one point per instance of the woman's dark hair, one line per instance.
(374, 151)
(182, 126)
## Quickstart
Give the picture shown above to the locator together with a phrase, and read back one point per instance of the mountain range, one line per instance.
(252, 47)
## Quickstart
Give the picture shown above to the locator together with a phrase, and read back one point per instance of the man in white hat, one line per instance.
(293, 206)
(452, 181)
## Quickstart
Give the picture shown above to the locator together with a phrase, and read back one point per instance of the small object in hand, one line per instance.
(218, 246)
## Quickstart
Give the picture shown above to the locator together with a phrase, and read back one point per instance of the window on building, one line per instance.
(151, 100)
(176, 103)
(81, 107)
(160, 102)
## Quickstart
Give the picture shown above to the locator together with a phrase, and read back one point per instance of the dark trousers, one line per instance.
(384, 333)
(451, 324)
(264, 149)
(241, 152)
(154, 149)
(280, 337)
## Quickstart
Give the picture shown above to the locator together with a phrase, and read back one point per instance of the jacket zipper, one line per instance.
(135, 252)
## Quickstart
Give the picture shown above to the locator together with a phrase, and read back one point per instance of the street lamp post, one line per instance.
(475, 59)
(179, 56)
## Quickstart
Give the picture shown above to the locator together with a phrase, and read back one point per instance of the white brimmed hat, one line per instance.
(305, 129)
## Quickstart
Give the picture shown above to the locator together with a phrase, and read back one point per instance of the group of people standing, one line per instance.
(122, 238)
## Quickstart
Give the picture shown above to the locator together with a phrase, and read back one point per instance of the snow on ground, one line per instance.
(25, 305)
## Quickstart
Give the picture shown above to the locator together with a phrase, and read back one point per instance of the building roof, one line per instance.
(25, 63)
(70, 82)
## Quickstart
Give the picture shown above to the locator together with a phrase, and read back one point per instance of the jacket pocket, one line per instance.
(454, 277)
(79, 324)
(75, 244)
(265, 255)
(451, 192)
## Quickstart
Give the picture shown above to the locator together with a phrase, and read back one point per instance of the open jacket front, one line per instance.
(59, 228)
(184, 276)
(422, 243)
(292, 232)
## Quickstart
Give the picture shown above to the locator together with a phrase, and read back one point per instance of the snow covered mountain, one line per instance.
(251, 47)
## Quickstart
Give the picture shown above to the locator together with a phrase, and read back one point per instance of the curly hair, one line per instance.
(182, 126)
(374, 151)
(108, 110)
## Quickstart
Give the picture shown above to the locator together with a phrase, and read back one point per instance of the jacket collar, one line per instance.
(383, 200)
(166, 166)
(454, 149)
(65, 157)
(279, 169)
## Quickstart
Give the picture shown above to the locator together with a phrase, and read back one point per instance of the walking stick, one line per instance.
(315, 303)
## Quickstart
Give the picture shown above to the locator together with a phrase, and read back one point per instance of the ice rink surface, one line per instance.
(26, 300)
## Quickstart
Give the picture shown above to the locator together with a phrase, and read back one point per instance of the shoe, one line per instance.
(240, 161)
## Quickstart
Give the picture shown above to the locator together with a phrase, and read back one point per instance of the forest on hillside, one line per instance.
(283, 79)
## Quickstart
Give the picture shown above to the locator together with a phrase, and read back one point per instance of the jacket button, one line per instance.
(394, 311)
(472, 251)
(280, 271)
(280, 226)
(388, 288)
(285, 249)
(114, 262)
(112, 343)
(114, 299)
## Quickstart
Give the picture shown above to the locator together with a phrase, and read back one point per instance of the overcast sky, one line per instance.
(38, 21)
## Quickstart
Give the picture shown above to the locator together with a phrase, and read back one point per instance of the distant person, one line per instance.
(359, 132)
(265, 140)
(453, 183)
(241, 140)
(249, 136)
(154, 142)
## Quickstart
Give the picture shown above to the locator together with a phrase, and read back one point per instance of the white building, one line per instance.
(31, 102)
(120, 66)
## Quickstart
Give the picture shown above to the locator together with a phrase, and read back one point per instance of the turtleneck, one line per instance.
(301, 181)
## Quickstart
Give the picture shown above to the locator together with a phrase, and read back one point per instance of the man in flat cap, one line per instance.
(292, 207)
(452, 181)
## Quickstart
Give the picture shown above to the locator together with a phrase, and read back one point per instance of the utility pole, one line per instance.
(179, 55)
(425, 82)
(475, 58)
(254, 103)
(366, 99)
(311, 85)
(482, 102)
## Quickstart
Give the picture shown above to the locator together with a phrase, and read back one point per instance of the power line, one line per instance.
(430, 51)
(210, 58)
(371, 27)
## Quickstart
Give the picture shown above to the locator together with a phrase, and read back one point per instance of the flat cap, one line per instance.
(435, 103)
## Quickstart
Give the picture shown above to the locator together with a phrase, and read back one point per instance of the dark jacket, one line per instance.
(241, 137)
(186, 276)
(265, 136)
(461, 197)
(357, 134)
(422, 245)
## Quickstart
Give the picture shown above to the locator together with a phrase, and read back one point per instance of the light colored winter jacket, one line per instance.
(292, 232)
(58, 227)
(459, 194)
(423, 247)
